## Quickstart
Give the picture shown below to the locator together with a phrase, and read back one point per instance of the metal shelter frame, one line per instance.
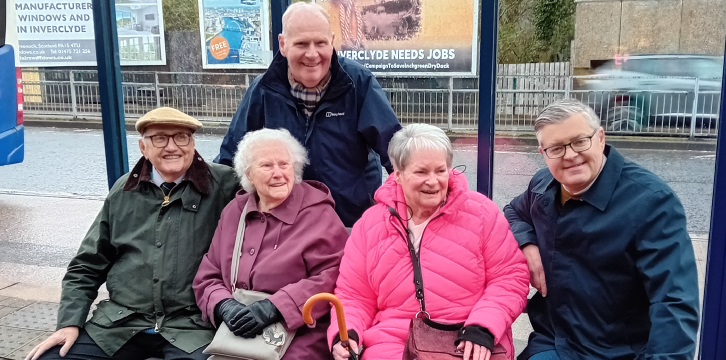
(713, 325)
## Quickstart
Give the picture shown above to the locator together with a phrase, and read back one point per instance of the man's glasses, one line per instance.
(579, 145)
(161, 140)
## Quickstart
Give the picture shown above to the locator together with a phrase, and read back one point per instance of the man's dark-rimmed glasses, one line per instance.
(161, 140)
(578, 145)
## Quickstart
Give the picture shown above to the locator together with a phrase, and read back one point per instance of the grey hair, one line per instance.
(417, 137)
(562, 110)
(244, 157)
(302, 6)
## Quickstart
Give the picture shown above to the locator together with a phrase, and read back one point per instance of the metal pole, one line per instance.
(451, 104)
(74, 105)
(568, 87)
(487, 95)
(713, 317)
(156, 88)
(109, 80)
(694, 111)
(277, 8)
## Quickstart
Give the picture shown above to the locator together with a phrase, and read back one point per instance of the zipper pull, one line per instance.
(166, 201)
(156, 327)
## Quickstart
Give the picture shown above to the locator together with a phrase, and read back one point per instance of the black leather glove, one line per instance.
(230, 311)
(256, 317)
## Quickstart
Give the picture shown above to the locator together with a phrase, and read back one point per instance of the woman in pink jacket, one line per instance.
(472, 270)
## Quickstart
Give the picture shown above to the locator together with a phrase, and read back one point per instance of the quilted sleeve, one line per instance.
(353, 288)
(507, 277)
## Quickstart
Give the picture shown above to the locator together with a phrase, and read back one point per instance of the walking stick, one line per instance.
(342, 329)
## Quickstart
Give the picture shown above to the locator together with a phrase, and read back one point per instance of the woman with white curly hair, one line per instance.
(292, 245)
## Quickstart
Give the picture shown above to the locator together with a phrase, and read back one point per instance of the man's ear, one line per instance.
(281, 40)
(539, 148)
(142, 146)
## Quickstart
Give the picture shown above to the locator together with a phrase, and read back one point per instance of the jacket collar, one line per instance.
(197, 174)
(602, 190)
(391, 194)
(276, 77)
(287, 211)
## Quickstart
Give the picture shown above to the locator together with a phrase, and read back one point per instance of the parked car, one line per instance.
(632, 92)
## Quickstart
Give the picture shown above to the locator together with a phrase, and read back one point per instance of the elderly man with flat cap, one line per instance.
(334, 106)
(146, 245)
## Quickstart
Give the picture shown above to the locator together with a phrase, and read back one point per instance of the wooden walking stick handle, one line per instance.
(308, 307)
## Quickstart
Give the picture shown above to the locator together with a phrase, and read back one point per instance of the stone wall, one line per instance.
(608, 28)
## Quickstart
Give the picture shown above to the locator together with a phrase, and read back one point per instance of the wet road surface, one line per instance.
(48, 201)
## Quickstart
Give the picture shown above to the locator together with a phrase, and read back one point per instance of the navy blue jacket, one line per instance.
(347, 137)
(619, 266)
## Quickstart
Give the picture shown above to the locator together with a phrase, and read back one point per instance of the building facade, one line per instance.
(605, 29)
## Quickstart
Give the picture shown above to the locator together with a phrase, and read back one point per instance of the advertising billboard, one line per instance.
(407, 37)
(235, 34)
(60, 33)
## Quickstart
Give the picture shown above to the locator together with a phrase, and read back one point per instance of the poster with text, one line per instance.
(59, 33)
(407, 37)
(235, 34)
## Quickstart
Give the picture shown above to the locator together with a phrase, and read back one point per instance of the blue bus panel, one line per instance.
(11, 133)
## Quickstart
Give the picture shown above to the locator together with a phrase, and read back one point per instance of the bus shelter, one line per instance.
(713, 324)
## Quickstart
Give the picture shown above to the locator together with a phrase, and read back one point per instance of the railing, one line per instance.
(448, 102)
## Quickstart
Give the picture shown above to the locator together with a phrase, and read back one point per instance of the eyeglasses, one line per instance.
(161, 140)
(579, 145)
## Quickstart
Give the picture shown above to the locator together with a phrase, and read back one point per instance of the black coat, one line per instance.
(352, 124)
(619, 266)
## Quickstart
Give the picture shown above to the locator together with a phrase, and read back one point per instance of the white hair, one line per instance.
(302, 6)
(564, 109)
(417, 137)
(243, 159)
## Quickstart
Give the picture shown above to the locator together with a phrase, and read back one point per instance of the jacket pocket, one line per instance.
(197, 320)
(109, 313)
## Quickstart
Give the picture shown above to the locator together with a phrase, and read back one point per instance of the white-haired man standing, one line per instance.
(333, 106)
(607, 249)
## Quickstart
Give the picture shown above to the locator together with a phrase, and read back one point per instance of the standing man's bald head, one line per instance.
(307, 42)
(303, 9)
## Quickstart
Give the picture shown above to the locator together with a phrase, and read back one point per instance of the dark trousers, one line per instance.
(140, 347)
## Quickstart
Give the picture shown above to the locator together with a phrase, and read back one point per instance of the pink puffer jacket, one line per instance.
(472, 268)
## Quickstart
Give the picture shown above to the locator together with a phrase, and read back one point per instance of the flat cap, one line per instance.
(167, 116)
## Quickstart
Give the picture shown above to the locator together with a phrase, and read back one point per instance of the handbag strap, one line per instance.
(237, 253)
(416, 261)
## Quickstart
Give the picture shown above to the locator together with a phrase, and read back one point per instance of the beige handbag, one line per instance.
(275, 339)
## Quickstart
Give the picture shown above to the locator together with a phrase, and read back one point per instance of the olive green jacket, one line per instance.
(148, 255)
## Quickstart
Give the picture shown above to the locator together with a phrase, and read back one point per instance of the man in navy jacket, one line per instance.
(607, 248)
(332, 105)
